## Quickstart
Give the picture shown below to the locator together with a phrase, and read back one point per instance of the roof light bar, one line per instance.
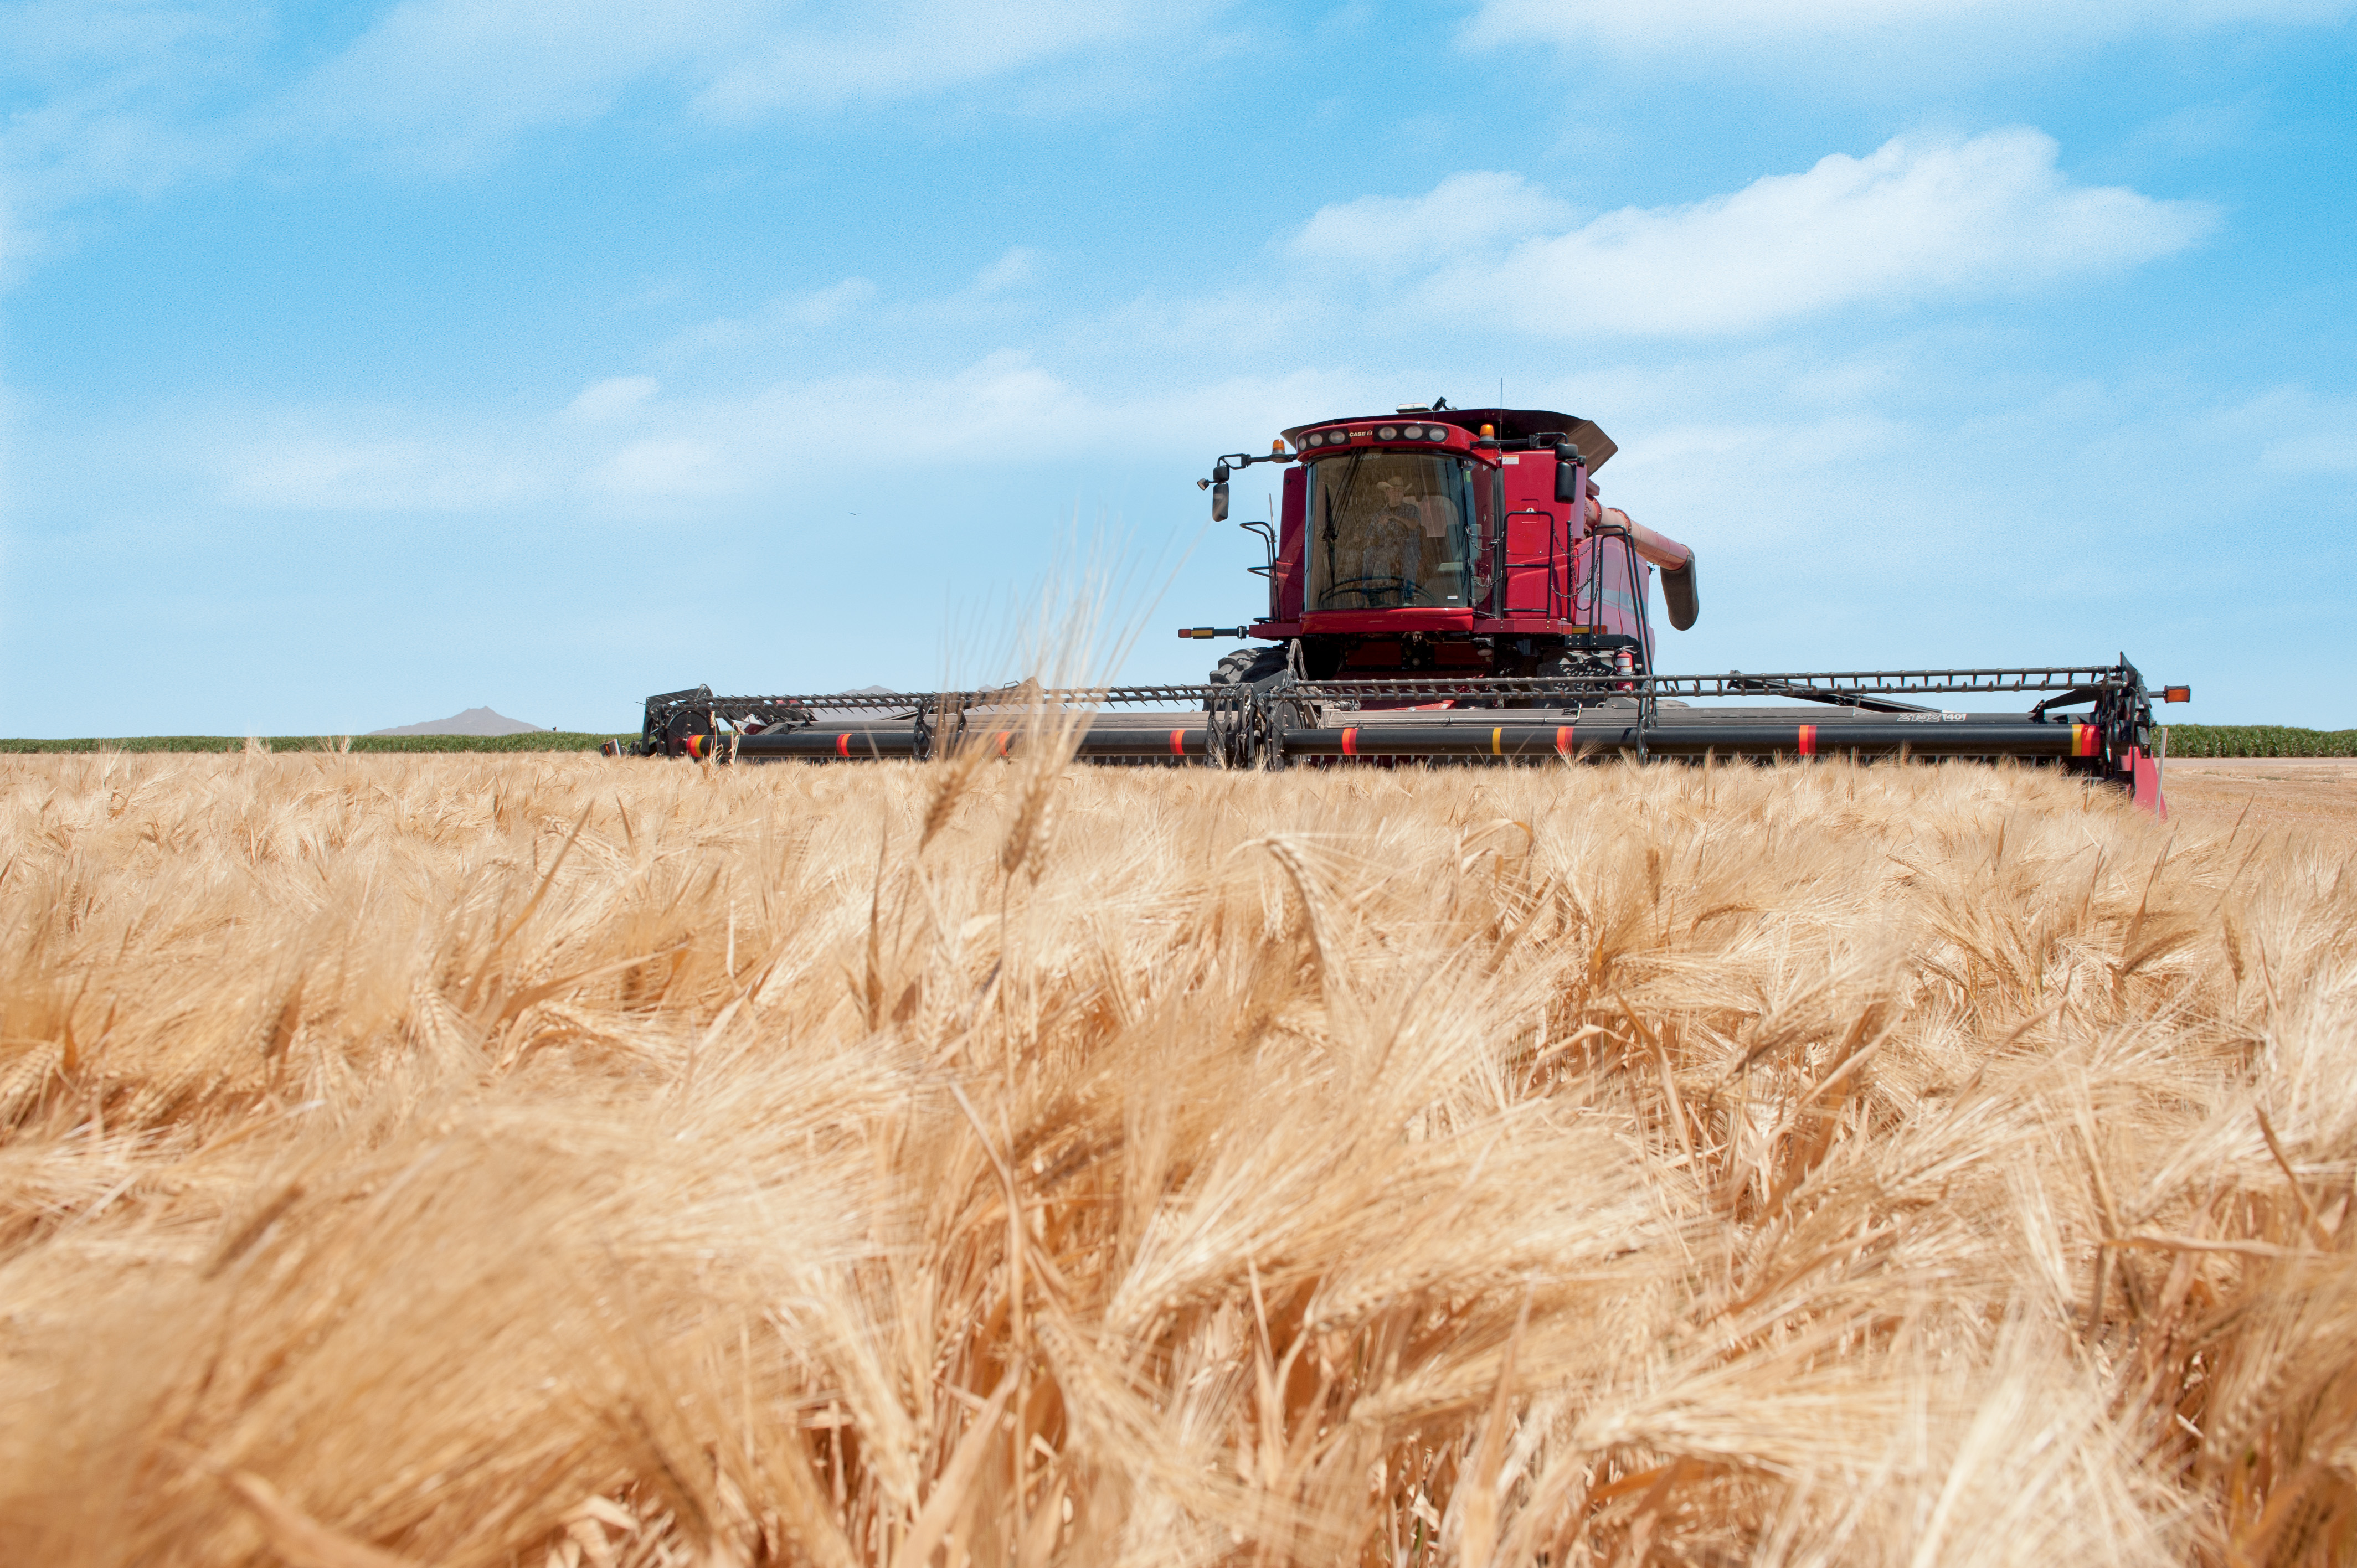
(1380, 433)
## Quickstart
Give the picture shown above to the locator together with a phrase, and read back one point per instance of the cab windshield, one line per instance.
(1391, 529)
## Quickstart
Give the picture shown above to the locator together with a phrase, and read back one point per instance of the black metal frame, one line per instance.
(1270, 724)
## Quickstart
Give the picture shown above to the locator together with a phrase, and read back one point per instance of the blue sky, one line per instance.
(362, 363)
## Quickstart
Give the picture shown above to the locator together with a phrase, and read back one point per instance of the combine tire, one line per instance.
(1235, 737)
(1255, 667)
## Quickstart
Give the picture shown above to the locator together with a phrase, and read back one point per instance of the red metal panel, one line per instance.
(1530, 536)
(1536, 565)
(1288, 542)
(2144, 776)
(1530, 484)
(1531, 553)
(1328, 622)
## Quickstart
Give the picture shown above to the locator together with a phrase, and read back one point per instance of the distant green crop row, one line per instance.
(2259, 740)
(542, 740)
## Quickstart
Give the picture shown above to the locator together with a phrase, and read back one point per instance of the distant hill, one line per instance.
(473, 722)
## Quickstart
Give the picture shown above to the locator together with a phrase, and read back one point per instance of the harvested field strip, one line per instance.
(482, 1162)
(2259, 740)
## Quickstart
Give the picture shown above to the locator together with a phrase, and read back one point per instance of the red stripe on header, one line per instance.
(1808, 740)
(1177, 742)
(843, 743)
(1563, 739)
(1350, 741)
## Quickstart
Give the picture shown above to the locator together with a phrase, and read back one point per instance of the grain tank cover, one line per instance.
(1511, 424)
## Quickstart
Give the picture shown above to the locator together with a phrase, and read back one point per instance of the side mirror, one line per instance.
(1220, 493)
(1567, 481)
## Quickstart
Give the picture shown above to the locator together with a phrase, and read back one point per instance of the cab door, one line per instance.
(1533, 561)
(1288, 542)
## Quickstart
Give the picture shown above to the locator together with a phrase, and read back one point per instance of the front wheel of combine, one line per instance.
(1254, 667)
(1230, 718)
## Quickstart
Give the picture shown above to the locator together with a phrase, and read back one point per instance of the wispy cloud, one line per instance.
(455, 81)
(117, 97)
(125, 95)
(1386, 234)
(621, 450)
(783, 318)
(1916, 221)
(1018, 268)
(1710, 27)
(358, 471)
(898, 49)
(999, 296)
(614, 398)
(2300, 433)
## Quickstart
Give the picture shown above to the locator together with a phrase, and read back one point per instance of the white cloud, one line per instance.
(2297, 433)
(611, 398)
(667, 467)
(787, 316)
(329, 473)
(447, 81)
(452, 82)
(1652, 25)
(883, 52)
(825, 307)
(1915, 221)
(1465, 211)
(743, 444)
(115, 97)
(133, 95)
(996, 295)
(999, 412)
(2320, 452)
(1017, 268)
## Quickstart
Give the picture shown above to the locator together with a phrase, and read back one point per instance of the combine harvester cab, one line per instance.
(1439, 541)
(1448, 585)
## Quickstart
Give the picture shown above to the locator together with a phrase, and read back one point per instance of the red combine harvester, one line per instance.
(1448, 585)
(1442, 542)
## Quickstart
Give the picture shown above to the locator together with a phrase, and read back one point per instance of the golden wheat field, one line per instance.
(550, 1160)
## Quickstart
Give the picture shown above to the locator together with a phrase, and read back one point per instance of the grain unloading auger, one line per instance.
(1447, 584)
